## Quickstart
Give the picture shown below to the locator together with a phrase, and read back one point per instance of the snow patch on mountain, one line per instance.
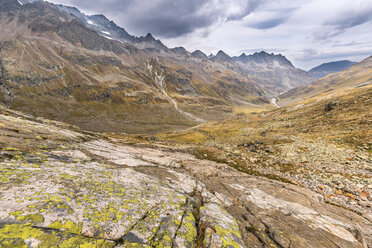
(91, 23)
(22, 2)
(105, 32)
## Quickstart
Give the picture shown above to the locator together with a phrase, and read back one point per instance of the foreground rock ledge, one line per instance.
(63, 188)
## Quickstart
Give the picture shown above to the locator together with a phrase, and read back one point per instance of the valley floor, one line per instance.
(64, 187)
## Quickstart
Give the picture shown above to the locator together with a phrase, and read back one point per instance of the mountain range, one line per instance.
(113, 140)
(275, 72)
(90, 72)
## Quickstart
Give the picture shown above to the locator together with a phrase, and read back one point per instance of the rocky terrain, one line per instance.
(112, 140)
(64, 187)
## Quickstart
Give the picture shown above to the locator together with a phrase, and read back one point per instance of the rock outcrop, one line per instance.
(61, 186)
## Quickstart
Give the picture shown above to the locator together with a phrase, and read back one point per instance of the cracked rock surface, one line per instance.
(60, 187)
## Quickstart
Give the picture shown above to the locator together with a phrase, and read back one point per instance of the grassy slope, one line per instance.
(351, 117)
(335, 83)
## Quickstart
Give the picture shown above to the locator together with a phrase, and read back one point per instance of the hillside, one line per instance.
(356, 76)
(331, 67)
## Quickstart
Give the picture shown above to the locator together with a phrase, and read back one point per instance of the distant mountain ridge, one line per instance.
(331, 67)
(263, 57)
(274, 71)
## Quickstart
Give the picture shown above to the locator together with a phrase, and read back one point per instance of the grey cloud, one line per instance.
(247, 8)
(269, 23)
(268, 50)
(355, 16)
(333, 56)
(351, 18)
(327, 33)
(309, 51)
(350, 44)
(271, 14)
(169, 18)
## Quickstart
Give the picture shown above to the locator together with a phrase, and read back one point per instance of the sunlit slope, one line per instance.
(356, 76)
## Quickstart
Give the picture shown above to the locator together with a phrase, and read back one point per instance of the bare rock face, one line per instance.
(61, 187)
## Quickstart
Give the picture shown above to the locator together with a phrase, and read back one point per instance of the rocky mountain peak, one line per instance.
(199, 55)
(180, 51)
(149, 37)
(264, 58)
(222, 56)
(221, 53)
(100, 24)
(243, 55)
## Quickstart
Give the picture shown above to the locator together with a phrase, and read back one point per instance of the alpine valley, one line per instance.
(112, 140)
(87, 71)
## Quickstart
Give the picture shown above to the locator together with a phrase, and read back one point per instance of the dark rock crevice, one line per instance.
(179, 226)
(48, 229)
(127, 235)
(200, 226)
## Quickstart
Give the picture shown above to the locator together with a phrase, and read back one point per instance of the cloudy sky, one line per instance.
(308, 32)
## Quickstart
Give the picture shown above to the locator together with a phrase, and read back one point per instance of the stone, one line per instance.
(365, 194)
(364, 198)
(365, 204)
(351, 196)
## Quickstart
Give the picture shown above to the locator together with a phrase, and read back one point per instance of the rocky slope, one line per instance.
(332, 67)
(68, 188)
